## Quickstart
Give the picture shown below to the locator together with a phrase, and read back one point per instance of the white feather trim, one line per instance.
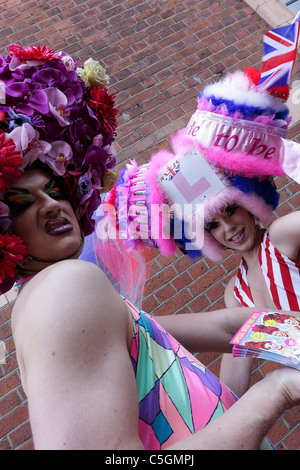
(237, 87)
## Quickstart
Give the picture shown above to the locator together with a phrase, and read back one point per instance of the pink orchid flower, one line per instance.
(57, 157)
(22, 136)
(16, 63)
(26, 139)
(57, 104)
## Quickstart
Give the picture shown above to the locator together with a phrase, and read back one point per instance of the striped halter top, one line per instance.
(281, 274)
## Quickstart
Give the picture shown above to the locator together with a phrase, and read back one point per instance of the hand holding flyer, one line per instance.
(269, 335)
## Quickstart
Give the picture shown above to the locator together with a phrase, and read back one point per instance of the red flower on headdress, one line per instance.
(12, 251)
(32, 52)
(103, 103)
(9, 158)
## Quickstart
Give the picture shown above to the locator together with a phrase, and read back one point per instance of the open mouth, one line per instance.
(58, 226)
(238, 237)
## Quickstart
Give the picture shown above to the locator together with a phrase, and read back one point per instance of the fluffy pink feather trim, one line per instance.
(156, 196)
(240, 163)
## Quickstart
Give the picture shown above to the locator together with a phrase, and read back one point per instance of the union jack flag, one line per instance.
(280, 50)
(171, 171)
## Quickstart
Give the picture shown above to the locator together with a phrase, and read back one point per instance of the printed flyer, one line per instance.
(268, 335)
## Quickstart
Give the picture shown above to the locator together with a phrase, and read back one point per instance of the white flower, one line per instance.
(95, 73)
(83, 75)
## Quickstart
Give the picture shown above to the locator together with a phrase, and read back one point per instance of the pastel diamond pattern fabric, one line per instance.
(177, 394)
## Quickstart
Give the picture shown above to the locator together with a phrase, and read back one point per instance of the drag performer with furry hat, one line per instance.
(98, 372)
(216, 190)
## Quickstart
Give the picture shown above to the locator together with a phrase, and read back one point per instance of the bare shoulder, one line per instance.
(67, 292)
(65, 283)
(67, 306)
(284, 234)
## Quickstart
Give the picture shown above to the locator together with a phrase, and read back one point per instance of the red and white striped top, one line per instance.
(282, 276)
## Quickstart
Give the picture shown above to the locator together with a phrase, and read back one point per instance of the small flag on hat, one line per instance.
(279, 55)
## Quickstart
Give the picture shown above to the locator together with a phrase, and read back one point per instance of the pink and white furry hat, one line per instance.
(233, 145)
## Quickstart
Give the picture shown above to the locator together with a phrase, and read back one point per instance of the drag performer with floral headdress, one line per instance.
(217, 186)
(98, 372)
(60, 117)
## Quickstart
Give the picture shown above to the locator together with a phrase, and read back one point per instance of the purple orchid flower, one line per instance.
(27, 141)
(84, 186)
(27, 98)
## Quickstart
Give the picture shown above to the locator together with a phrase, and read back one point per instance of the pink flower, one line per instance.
(26, 139)
(22, 136)
(67, 60)
(58, 156)
(98, 140)
(57, 104)
(4, 210)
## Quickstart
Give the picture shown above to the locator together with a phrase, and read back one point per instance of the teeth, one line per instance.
(55, 226)
(237, 237)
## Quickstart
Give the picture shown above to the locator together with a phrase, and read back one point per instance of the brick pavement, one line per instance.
(158, 55)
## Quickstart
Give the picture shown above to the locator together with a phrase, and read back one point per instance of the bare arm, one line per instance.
(245, 424)
(206, 331)
(235, 372)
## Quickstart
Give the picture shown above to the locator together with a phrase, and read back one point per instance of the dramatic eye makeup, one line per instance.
(54, 189)
(19, 199)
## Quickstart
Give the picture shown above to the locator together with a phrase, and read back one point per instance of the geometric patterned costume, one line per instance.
(177, 394)
(281, 274)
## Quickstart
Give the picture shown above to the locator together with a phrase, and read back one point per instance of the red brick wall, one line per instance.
(159, 55)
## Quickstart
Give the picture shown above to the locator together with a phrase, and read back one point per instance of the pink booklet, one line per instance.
(269, 335)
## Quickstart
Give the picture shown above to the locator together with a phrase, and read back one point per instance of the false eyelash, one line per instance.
(55, 191)
(210, 226)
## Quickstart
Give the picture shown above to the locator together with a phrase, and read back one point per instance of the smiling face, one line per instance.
(233, 228)
(43, 217)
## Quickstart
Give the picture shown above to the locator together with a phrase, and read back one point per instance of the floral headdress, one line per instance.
(55, 112)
